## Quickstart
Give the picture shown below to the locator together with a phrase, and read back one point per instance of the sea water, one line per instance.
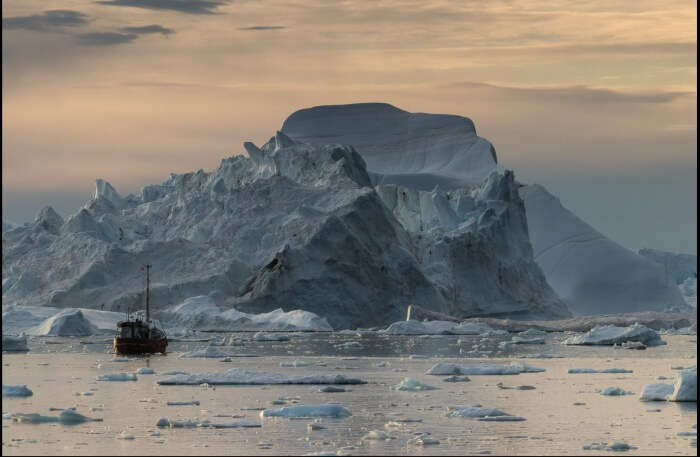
(563, 412)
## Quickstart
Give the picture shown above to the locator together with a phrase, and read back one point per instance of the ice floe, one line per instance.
(444, 368)
(615, 446)
(592, 370)
(16, 391)
(376, 435)
(412, 327)
(614, 391)
(656, 392)
(262, 336)
(610, 334)
(117, 377)
(67, 417)
(412, 385)
(236, 376)
(14, 343)
(454, 378)
(145, 370)
(481, 413)
(300, 411)
(686, 386)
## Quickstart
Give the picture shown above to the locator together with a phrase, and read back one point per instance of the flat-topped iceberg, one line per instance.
(239, 376)
(300, 411)
(610, 335)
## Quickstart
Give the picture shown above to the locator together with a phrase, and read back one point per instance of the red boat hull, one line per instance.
(139, 346)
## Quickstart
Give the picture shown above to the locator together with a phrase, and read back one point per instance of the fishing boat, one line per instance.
(141, 336)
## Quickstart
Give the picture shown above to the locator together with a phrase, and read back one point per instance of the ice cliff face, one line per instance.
(679, 266)
(296, 226)
(590, 272)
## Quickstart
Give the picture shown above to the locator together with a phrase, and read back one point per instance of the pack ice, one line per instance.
(419, 151)
(297, 226)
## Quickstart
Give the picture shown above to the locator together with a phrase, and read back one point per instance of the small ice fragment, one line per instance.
(145, 370)
(614, 391)
(591, 370)
(16, 391)
(455, 378)
(412, 385)
(125, 436)
(376, 435)
(183, 403)
(295, 364)
(686, 386)
(117, 377)
(331, 389)
(122, 359)
(314, 426)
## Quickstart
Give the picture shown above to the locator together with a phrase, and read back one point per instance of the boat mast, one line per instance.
(148, 297)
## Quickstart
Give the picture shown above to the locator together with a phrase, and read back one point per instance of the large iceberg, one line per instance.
(419, 151)
(592, 273)
(295, 226)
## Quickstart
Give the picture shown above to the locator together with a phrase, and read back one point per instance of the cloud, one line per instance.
(46, 21)
(182, 6)
(263, 27)
(105, 38)
(148, 29)
(575, 94)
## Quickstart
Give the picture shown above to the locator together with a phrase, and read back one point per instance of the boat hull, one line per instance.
(139, 346)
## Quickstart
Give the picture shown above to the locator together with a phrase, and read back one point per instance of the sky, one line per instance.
(594, 100)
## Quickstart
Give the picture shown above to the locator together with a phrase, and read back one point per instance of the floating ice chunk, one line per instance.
(183, 403)
(412, 385)
(610, 334)
(122, 359)
(444, 368)
(508, 418)
(686, 386)
(418, 356)
(591, 370)
(208, 352)
(423, 441)
(656, 392)
(70, 417)
(125, 436)
(325, 410)
(457, 379)
(241, 376)
(117, 377)
(14, 343)
(350, 345)
(67, 417)
(174, 372)
(295, 364)
(533, 333)
(145, 370)
(614, 391)
(314, 426)
(475, 412)
(331, 389)
(634, 345)
(413, 327)
(377, 435)
(501, 386)
(16, 391)
(382, 364)
(324, 453)
(261, 336)
(69, 322)
(521, 340)
(616, 446)
(231, 424)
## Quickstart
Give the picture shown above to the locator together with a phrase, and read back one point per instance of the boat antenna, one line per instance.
(148, 297)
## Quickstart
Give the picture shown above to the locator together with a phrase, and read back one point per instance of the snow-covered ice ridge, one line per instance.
(293, 226)
(590, 272)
